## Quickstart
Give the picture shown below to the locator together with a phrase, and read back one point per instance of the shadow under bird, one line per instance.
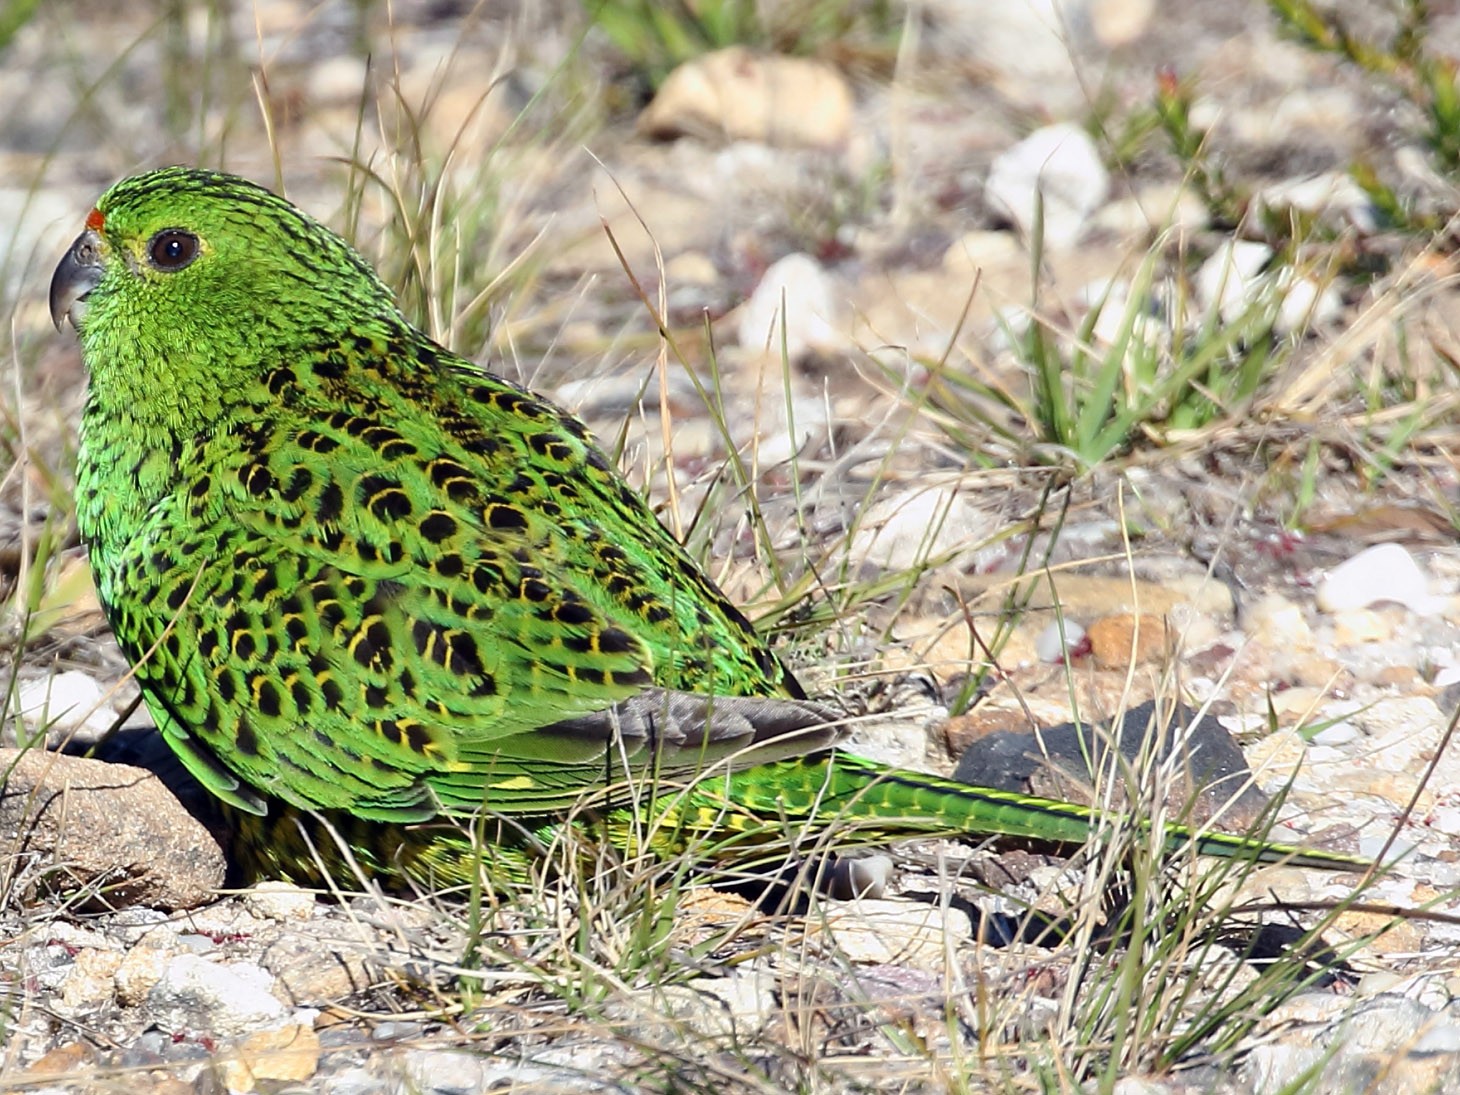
(365, 582)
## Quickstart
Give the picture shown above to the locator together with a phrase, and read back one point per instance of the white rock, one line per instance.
(144, 965)
(748, 996)
(88, 985)
(275, 900)
(1335, 734)
(1025, 46)
(984, 249)
(1278, 623)
(1441, 1037)
(1231, 281)
(1061, 164)
(1201, 689)
(197, 995)
(901, 932)
(1117, 23)
(359, 1080)
(1159, 206)
(65, 703)
(1334, 194)
(800, 289)
(1057, 639)
(910, 529)
(1380, 1025)
(1306, 304)
(1384, 572)
(1111, 299)
(1401, 849)
(1356, 626)
(1281, 1066)
(1145, 335)
(1445, 819)
(334, 81)
(443, 1071)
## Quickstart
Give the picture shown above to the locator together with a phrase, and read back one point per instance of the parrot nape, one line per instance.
(364, 581)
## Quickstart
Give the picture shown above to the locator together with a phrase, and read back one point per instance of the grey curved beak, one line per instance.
(77, 275)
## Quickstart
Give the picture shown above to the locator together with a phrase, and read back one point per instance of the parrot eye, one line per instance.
(172, 249)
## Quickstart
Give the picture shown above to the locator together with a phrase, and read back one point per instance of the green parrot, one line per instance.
(399, 613)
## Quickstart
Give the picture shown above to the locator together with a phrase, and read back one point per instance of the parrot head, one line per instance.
(183, 281)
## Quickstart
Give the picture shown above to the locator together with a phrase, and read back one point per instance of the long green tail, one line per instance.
(735, 817)
(841, 785)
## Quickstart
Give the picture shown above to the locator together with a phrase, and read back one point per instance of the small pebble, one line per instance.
(275, 900)
(1357, 626)
(1278, 623)
(1337, 733)
(147, 1050)
(67, 703)
(1231, 280)
(356, 1081)
(1332, 194)
(393, 1030)
(798, 291)
(1307, 303)
(1384, 572)
(1370, 845)
(1060, 641)
(1059, 165)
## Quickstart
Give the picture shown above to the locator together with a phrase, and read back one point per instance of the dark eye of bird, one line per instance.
(172, 249)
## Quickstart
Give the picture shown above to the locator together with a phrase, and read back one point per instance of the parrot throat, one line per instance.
(124, 467)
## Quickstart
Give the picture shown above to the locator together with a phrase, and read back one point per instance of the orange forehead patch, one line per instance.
(95, 221)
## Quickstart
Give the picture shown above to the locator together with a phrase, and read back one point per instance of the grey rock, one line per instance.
(147, 1050)
(195, 994)
(456, 1072)
(1059, 760)
(356, 1081)
(396, 1030)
